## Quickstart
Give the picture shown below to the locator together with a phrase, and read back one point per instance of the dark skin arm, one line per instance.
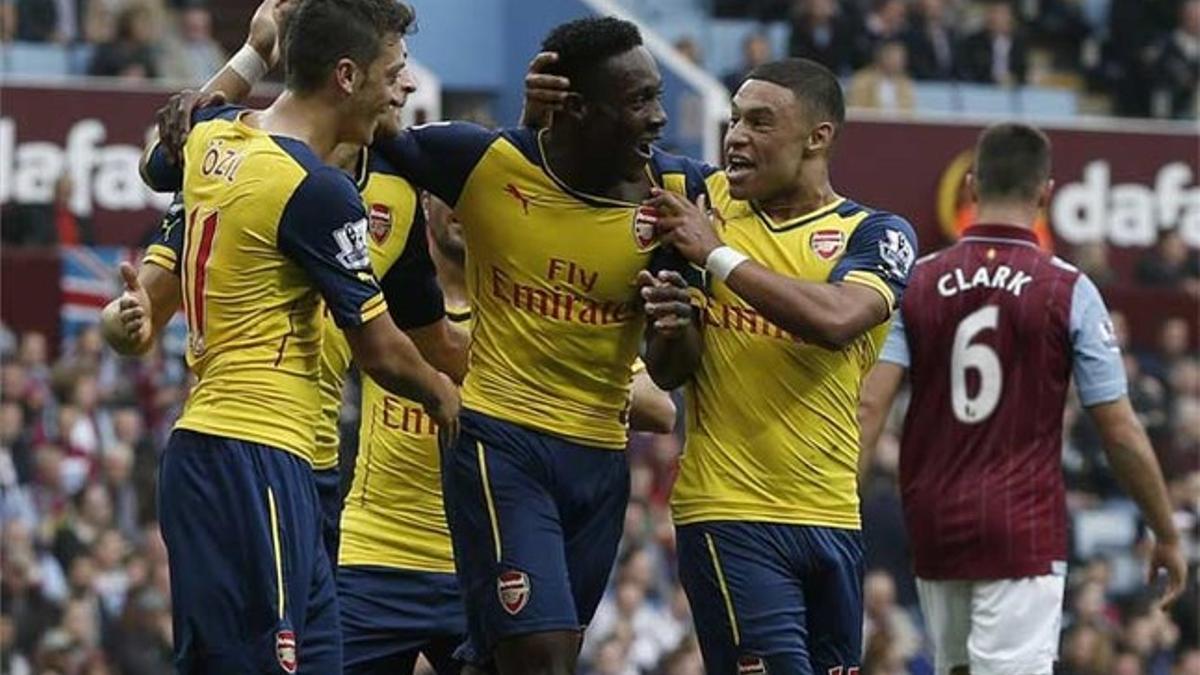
(174, 120)
(1132, 459)
(828, 314)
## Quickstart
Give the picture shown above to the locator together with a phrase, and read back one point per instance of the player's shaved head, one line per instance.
(585, 45)
(815, 86)
(319, 33)
(1012, 163)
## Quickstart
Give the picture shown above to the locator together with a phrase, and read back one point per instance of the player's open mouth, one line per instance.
(643, 148)
(737, 166)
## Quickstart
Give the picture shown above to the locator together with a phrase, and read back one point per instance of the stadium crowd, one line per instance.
(83, 575)
(1136, 59)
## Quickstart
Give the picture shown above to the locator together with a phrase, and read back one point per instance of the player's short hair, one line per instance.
(1012, 161)
(321, 32)
(583, 45)
(815, 86)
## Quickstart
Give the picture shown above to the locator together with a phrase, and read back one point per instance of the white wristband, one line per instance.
(249, 64)
(722, 261)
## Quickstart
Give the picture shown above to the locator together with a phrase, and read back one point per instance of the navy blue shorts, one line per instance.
(251, 588)
(778, 599)
(390, 616)
(329, 494)
(535, 521)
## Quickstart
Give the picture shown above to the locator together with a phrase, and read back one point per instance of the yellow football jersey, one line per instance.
(268, 230)
(401, 262)
(550, 273)
(772, 432)
(393, 515)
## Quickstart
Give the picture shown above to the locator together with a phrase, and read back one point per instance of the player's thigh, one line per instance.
(1015, 625)
(831, 560)
(593, 519)
(508, 538)
(329, 494)
(946, 605)
(389, 616)
(239, 521)
(747, 605)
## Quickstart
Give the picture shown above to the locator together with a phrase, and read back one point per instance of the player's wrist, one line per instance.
(722, 260)
(250, 64)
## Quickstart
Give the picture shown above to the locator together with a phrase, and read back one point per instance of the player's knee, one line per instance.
(551, 653)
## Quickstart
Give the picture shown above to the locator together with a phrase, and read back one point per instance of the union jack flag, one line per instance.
(89, 279)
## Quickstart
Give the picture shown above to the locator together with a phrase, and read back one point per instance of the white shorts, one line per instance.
(1000, 627)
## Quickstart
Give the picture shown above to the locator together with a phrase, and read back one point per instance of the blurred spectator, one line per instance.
(885, 84)
(932, 40)
(1174, 345)
(820, 33)
(195, 56)
(1060, 28)
(689, 49)
(1175, 64)
(756, 50)
(883, 617)
(46, 224)
(887, 20)
(998, 53)
(132, 54)
(1092, 259)
(46, 20)
(1171, 262)
(1085, 651)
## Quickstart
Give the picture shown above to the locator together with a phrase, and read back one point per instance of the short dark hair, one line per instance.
(815, 86)
(1012, 161)
(583, 45)
(319, 33)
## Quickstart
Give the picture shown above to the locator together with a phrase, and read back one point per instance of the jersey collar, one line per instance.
(993, 231)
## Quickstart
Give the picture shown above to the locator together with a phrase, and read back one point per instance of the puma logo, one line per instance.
(516, 193)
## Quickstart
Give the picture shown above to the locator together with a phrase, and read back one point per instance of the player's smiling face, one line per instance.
(625, 113)
(402, 84)
(765, 142)
(378, 95)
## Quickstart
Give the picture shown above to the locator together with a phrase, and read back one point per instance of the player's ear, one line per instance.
(1045, 193)
(346, 75)
(972, 186)
(574, 105)
(820, 139)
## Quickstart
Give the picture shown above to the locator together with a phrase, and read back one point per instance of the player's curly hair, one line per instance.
(814, 85)
(583, 45)
(319, 33)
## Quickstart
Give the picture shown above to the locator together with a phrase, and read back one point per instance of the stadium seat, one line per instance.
(35, 59)
(80, 57)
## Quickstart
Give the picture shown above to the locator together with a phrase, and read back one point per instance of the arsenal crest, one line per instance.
(751, 665)
(285, 650)
(827, 243)
(513, 588)
(643, 227)
(379, 224)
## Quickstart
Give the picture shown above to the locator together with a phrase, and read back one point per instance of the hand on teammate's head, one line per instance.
(544, 93)
(174, 119)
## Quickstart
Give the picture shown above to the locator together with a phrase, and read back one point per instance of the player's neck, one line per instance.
(451, 277)
(307, 119)
(807, 195)
(345, 156)
(572, 166)
(1007, 213)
